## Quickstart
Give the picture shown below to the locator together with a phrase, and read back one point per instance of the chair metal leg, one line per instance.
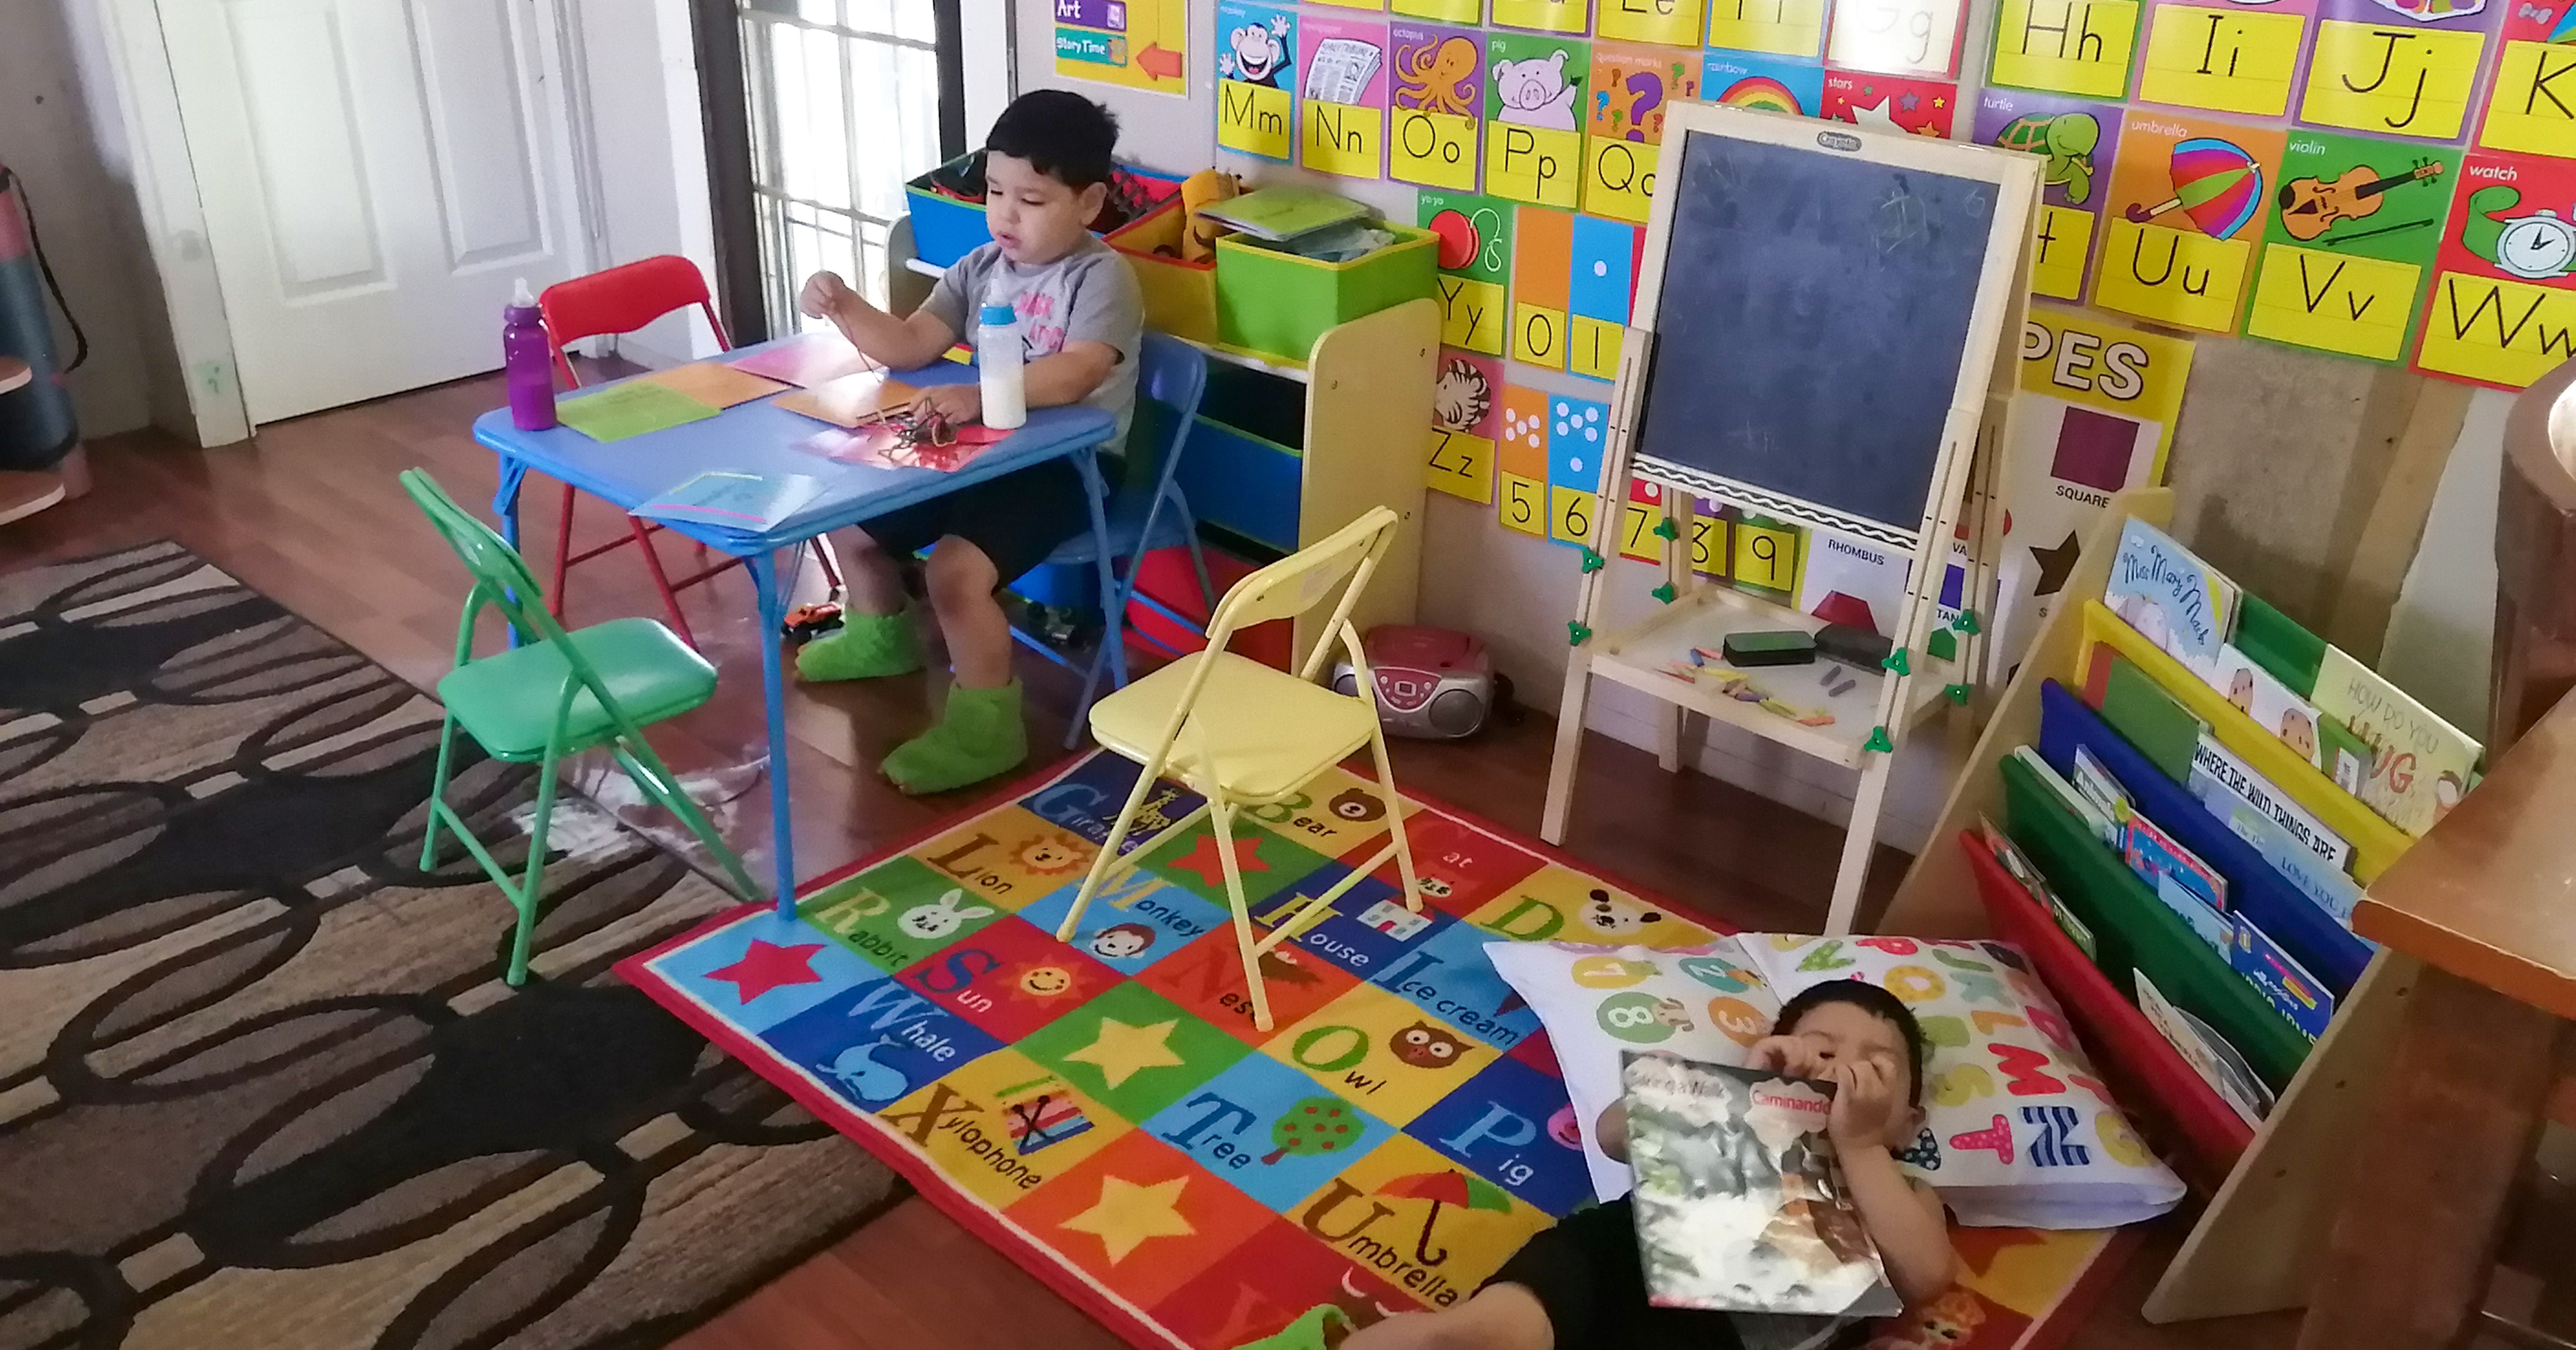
(531, 887)
(1395, 817)
(1221, 819)
(563, 552)
(437, 790)
(1108, 859)
(662, 582)
(665, 788)
(1198, 555)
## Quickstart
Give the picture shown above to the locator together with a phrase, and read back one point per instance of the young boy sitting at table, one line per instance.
(1582, 1285)
(1081, 319)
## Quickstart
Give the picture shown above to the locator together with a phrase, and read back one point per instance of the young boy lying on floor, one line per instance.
(1081, 318)
(1581, 1284)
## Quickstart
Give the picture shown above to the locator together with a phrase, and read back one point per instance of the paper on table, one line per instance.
(815, 358)
(630, 409)
(715, 384)
(851, 399)
(748, 502)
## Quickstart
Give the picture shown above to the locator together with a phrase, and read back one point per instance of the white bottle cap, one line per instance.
(519, 296)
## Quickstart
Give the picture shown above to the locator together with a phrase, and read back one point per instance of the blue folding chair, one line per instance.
(1147, 513)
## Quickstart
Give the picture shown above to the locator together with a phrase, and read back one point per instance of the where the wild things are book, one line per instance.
(1740, 1203)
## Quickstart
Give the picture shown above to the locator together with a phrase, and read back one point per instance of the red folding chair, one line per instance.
(622, 300)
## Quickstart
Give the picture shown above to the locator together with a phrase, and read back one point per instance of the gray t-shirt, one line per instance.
(1088, 295)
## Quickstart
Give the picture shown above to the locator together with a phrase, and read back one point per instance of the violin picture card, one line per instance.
(2080, 142)
(2348, 241)
(2224, 56)
(2531, 100)
(2502, 307)
(2179, 228)
(2398, 67)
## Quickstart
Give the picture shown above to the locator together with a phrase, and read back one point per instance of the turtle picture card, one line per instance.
(2080, 141)
(1781, 84)
(2184, 212)
(1891, 102)
(2348, 240)
(2501, 308)
(2240, 59)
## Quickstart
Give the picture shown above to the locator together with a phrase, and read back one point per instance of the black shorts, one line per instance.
(1588, 1276)
(1017, 519)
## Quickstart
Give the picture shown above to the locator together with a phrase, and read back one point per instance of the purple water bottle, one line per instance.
(528, 362)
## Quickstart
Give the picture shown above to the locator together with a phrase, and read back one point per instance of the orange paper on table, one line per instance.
(851, 399)
(716, 384)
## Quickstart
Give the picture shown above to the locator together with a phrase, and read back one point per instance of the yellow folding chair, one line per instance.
(1240, 733)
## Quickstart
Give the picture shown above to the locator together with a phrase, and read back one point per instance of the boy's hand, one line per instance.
(959, 403)
(1865, 1105)
(1789, 1055)
(823, 295)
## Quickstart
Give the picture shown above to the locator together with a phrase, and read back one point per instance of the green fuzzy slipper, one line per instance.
(1314, 1330)
(868, 645)
(979, 736)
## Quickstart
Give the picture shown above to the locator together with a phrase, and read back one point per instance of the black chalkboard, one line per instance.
(1810, 323)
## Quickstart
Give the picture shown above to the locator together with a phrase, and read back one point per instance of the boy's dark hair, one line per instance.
(1060, 133)
(1871, 999)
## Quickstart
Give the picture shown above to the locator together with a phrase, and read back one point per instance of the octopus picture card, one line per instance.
(2225, 56)
(2179, 228)
(1436, 92)
(2080, 141)
(1343, 88)
(2398, 67)
(1534, 111)
(2074, 47)
(2348, 241)
(2502, 307)
(1891, 102)
(1778, 84)
(1256, 79)
(2531, 100)
(1624, 124)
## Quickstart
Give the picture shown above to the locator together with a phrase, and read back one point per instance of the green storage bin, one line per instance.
(1278, 303)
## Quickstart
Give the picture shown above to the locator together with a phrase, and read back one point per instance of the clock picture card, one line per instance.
(2398, 67)
(2080, 142)
(2179, 227)
(2502, 305)
(2225, 57)
(2348, 240)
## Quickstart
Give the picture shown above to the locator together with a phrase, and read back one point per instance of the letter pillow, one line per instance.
(2020, 1132)
(1704, 1003)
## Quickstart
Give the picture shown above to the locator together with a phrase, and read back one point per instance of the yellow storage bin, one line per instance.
(1180, 297)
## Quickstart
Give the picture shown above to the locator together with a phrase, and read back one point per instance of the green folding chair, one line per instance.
(558, 695)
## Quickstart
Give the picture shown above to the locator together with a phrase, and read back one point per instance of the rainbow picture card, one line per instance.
(2079, 141)
(1781, 84)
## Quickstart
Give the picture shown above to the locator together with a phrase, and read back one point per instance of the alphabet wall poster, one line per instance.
(2081, 142)
(1466, 419)
(2531, 104)
(2094, 414)
(1673, 23)
(1545, 16)
(1778, 84)
(1343, 88)
(1534, 113)
(1891, 102)
(1475, 260)
(1256, 79)
(2398, 67)
(1142, 44)
(1898, 37)
(1438, 92)
(2075, 47)
(2187, 197)
(2225, 56)
(2348, 240)
(1624, 124)
(2503, 307)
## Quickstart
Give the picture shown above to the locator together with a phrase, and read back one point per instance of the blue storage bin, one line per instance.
(1244, 483)
(945, 229)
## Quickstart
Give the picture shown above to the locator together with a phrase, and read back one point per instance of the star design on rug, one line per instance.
(2055, 563)
(1122, 1051)
(766, 965)
(1128, 1215)
(1208, 865)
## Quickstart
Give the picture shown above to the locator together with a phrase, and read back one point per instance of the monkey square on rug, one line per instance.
(1105, 1113)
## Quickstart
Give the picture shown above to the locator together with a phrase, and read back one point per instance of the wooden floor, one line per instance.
(309, 514)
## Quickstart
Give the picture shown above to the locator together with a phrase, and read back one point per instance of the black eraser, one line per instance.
(1787, 647)
(1859, 646)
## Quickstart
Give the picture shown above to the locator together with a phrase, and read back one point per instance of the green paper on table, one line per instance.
(630, 409)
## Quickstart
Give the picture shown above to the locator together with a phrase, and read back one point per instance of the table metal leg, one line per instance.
(505, 508)
(773, 687)
(1088, 463)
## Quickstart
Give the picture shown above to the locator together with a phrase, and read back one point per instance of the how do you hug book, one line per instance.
(1740, 1203)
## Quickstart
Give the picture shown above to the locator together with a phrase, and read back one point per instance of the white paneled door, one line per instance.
(374, 174)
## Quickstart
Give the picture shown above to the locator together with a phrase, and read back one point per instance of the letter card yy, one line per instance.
(1781, 84)
(2348, 240)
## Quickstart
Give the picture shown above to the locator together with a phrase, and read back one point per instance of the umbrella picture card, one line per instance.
(2225, 57)
(2073, 47)
(2398, 67)
(2348, 240)
(2502, 307)
(2080, 141)
(2179, 228)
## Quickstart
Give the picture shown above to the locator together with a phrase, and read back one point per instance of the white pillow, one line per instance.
(2021, 1133)
(1705, 1003)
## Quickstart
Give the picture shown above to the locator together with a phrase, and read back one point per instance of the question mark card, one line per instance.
(1624, 124)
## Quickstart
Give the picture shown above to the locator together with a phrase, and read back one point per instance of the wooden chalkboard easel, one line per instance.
(1963, 479)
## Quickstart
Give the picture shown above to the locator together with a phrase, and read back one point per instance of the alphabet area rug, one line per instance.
(1104, 1112)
